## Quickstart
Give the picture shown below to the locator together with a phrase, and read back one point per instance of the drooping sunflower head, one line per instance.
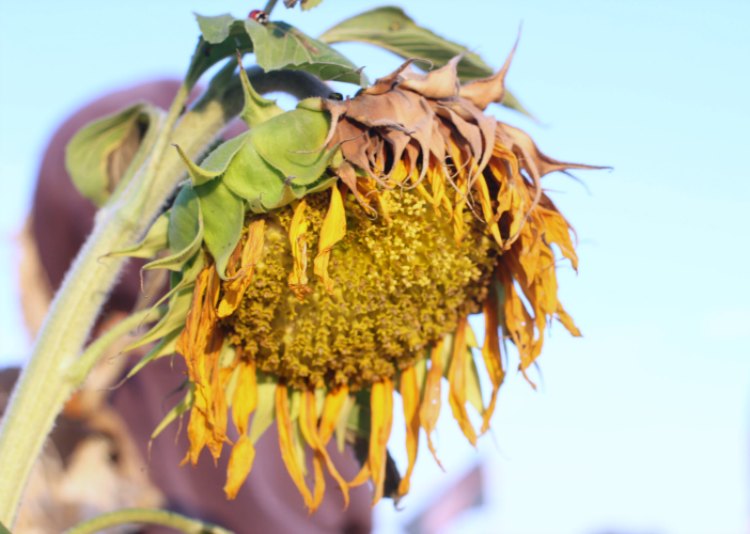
(332, 255)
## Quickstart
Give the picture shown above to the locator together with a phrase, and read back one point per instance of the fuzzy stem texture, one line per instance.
(55, 368)
(46, 382)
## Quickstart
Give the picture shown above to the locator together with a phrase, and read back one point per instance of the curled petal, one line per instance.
(488, 90)
(332, 231)
(235, 289)
(298, 276)
(457, 380)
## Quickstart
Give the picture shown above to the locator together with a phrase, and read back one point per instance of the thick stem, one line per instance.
(51, 375)
(46, 382)
(149, 517)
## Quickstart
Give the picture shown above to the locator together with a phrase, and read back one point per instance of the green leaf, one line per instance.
(281, 46)
(294, 143)
(394, 30)
(154, 242)
(99, 154)
(221, 37)
(216, 29)
(223, 218)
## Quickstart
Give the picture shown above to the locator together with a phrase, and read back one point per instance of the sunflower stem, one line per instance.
(47, 382)
(148, 517)
(269, 6)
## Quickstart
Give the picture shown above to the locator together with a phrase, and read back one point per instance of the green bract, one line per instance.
(100, 154)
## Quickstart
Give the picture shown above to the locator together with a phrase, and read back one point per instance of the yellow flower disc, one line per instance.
(399, 283)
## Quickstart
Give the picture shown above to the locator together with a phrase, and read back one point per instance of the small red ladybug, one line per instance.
(259, 16)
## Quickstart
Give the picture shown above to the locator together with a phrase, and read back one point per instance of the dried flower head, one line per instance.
(333, 254)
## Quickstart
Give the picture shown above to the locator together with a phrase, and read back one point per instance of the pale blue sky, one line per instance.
(642, 425)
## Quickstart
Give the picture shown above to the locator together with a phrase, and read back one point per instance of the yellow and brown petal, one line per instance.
(343, 297)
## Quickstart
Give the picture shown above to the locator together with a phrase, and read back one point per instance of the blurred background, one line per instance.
(642, 425)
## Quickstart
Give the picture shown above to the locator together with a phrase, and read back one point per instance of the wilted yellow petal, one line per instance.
(297, 239)
(240, 464)
(235, 289)
(287, 445)
(410, 398)
(309, 429)
(332, 406)
(486, 203)
(429, 411)
(491, 354)
(332, 231)
(457, 380)
(245, 397)
(381, 413)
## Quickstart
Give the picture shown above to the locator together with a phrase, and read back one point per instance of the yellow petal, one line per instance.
(457, 380)
(486, 203)
(410, 398)
(321, 457)
(381, 413)
(429, 411)
(287, 445)
(491, 354)
(332, 231)
(235, 289)
(240, 464)
(334, 403)
(297, 239)
(245, 397)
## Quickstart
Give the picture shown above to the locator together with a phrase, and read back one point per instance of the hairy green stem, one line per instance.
(56, 368)
(47, 382)
(148, 517)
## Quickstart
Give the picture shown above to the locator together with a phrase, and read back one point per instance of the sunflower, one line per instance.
(332, 255)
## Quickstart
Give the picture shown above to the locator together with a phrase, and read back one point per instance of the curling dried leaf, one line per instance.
(392, 29)
(281, 46)
(99, 154)
(223, 216)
